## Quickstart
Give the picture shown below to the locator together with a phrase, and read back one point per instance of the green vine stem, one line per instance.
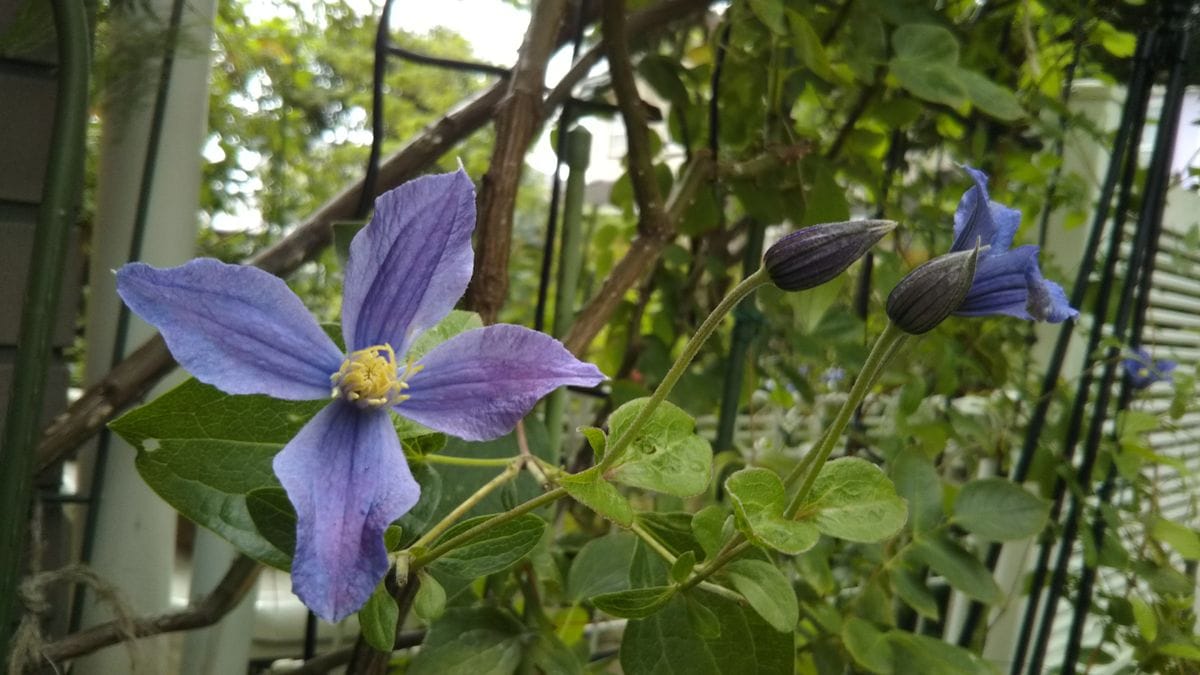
(886, 346)
(466, 461)
(445, 547)
(510, 472)
(739, 292)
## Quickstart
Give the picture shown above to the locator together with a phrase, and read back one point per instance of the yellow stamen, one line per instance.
(370, 378)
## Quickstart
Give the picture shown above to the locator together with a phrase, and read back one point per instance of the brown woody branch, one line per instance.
(238, 581)
(643, 252)
(645, 249)
(637, 133)
(517, 120)
(132, 378)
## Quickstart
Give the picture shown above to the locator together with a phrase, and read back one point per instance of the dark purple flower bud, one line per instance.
(810, 257)
(932, 292)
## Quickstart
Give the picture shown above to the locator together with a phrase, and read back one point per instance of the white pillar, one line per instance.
(225, 647)
(134, 547)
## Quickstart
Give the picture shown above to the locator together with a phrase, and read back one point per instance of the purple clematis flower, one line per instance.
(1144, 371)
(243, 331)
(1007, 280)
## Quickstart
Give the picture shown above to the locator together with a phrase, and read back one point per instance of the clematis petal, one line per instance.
(347, 477)
(410, 265)
(478, 384)
(979, 218)
(235, 327)
(1001, 285)
(1047, 300)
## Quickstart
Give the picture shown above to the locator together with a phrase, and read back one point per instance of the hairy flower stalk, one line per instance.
(243, 331)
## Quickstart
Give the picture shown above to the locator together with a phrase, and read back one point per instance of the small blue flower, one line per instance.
(243, 331)
(1144, 371)
(1007, 280)
(833, 375)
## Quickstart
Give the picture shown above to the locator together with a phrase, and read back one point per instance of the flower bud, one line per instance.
(809, 257)
(932, 291)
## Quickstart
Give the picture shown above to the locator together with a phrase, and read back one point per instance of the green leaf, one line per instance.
(1181, 650)
(673, 529)
(675, 641)
(596, 439)
(702, 619)
(669, 641)
(662, 73)
(601, 566)
(484, 640)
(708, 526)
(274, 517)
(925, 42)
(203, 451)
(666, 456)
(867, 646)
(430, 601)
(930, 81)
(421, 516)
(550, 655)
(682, 567)
(758, 500)
(960, 568)
(393, 536)
(1181, 538)
(494, 550)
(770, 12)
(918, 483)
(591, 490)
(996, 509)
(377, 619)
(913, 592)
(457, 321)
(1143, 615)
(930, 656)
(853, 499)
(767, 590)
(635, 603)
(991, 98)
(809, 48)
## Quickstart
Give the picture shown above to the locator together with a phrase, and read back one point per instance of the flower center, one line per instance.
(371, 378)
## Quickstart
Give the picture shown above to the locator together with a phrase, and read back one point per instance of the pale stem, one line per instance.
(886, 346)
(661, 550)
(466, 461)
(498, 519)
(444, 524)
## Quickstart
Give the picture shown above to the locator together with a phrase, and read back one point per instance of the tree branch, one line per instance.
(238, 581)
(642, 254)
(517, 120)
(637, 134)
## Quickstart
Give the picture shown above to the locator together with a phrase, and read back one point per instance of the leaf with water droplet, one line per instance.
(666, 455)
(853, 499)
(758, 501)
